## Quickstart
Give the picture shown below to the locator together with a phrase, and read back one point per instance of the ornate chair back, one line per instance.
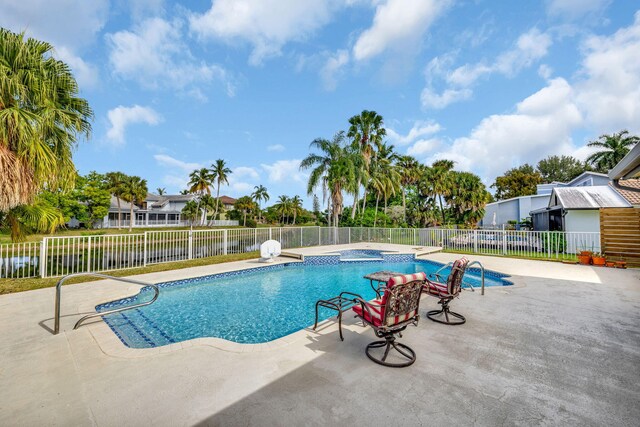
(454, 281)
(401, 298)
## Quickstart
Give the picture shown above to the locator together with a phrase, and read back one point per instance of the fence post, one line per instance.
(349, 228)
(89, 254)
(504, 242)
(475, 241)
(319, 236)
(270, 234)
(144, 250)
(43, 258)
(224, 242)
(300, 236)
(190, 250)
(255, 237)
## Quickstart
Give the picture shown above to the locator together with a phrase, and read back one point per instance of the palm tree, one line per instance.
(442, 181)
(200, 181)
(614, 148)
(260, 195)
(409, 175)
(134, 191)
(38, 217)
(206, 204)
(41, 119)
(283, 207)
(245, 204)
(161, 191)
(365, 130)
(335, 168)
(191, 211)
(220, 173)
(115, 181)
(467, 198)
(296, 207)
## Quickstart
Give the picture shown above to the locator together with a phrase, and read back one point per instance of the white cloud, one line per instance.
(86, 74)
(545, 71)
(423, 146)
(284, 170)
(265, 24)
(69, 25)
(245, 171)
(333, 68)
(121, 117)
(573, 9)
(397, 24)
(609, 86)
(431, 99)
(530, 47)
(154, 55)
(276, 147)
(541, 125)
(419, 130)
(165, 160)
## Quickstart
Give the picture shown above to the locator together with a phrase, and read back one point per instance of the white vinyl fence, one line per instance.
(57, 256)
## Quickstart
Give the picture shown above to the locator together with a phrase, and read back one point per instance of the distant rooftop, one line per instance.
(591, 197)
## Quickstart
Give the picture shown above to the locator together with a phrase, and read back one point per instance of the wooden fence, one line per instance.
(620, 234)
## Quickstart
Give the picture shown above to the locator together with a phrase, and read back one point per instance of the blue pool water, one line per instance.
(358, 254)
(253, 306)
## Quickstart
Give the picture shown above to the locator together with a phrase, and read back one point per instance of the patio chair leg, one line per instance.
(388, 343)
(436, 315)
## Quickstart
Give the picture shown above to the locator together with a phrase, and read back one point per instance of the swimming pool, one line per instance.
(257, 305)
(360, 254)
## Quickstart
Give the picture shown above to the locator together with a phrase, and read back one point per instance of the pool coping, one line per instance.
(111, 344)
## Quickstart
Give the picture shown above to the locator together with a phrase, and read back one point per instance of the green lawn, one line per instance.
(8, 286)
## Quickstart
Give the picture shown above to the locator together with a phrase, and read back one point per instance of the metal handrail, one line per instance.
(481, 274)
(56, 328)
(450, 264)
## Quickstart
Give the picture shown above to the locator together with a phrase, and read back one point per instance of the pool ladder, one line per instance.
(56, 328)
(450, 264)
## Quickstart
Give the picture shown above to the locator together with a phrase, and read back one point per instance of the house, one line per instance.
(156, 211)
(515, 209)
(625, 176)
(576, 208)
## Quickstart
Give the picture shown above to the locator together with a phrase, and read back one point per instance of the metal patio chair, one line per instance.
(390, 315)
(446, 292)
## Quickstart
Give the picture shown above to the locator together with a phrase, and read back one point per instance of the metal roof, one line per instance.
(589, 197)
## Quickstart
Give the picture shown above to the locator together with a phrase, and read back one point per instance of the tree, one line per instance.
(94, 194)
(200, 181)
(41, 119)
(37, 217)
(365, 130)
(467, 198)
(614, 148)
(516, 182)
(244, 204)
(409, 175)
(296, 207)
(115, 182)
(220, 173)
(134, 191)
(161, 191)
(560, 168)
(260, 195)
(440, 174)
(335, 168)
(316, 209)
(283, 207)
(191, 211)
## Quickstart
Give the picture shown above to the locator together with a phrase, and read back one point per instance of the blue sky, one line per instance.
(489, 84)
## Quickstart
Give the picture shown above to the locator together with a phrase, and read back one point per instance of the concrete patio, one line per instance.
(562, 346)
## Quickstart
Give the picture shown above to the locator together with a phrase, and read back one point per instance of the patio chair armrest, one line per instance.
(365, 306)
(351, 294)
